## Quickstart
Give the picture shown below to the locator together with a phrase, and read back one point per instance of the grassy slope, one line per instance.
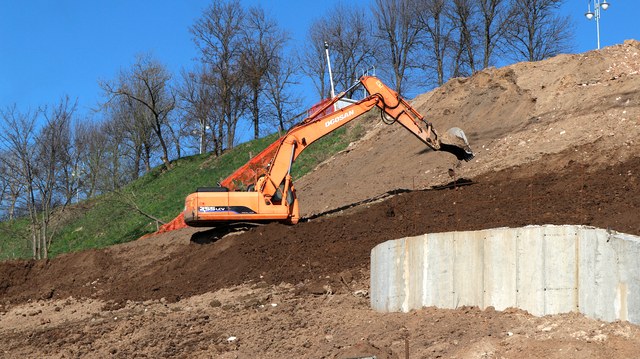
(14, 240)
(111, 219)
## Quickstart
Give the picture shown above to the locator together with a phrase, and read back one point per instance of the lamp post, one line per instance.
(202, 133)
(77, 175)
(333, 91)
(597, 6)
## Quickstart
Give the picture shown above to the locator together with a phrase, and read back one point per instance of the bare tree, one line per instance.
(91, 142)
(139, 135)
(147, 84)
(203, 118)
(284, 104)
(432, 17)
(398, 28)
(5, 189)
(69, 156)
(59, 121)
(352, 42)
(495, 19)
(461, 14)
(129, 124)
(217, 35)
(193, 100)
(37, 159)
(4, 184)
(18, 138)
(312, 58)
(119, 148)
(53, 142)
(197, 104)
(12, 185)
(262, 45)
(535, 31)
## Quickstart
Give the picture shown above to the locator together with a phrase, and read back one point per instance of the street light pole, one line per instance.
(202, 129)
(77, 174)
(326, 49)
(597, 7)
(203, 132)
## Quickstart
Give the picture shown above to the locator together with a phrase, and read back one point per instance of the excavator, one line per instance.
(273, 197)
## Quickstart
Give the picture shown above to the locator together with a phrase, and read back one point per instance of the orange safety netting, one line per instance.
(322, 105)
(249, 173)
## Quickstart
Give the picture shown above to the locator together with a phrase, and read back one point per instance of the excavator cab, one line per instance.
(213, 206)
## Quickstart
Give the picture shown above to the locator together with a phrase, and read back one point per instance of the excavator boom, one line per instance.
(273, 197)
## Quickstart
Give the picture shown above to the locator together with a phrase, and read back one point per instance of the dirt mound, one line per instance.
(513, 116)
(173, 267)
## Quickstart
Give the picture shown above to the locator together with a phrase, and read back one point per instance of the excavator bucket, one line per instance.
(455, 141)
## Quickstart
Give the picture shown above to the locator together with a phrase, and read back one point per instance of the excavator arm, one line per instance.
(381, 96)
(274, 198)
(300, 137)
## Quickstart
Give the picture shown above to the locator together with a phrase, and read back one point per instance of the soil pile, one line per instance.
(514, 115)
(187, 262)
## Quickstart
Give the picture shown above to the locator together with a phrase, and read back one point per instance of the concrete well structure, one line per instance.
(541, 269)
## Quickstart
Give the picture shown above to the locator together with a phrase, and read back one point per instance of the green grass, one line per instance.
(14, 239)
(110, 218)
(160, 193)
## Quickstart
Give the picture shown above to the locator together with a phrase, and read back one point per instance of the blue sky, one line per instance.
(49, 49)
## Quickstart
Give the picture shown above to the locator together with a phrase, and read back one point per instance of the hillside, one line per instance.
(513, 116)
(556, 144)
(130, 212)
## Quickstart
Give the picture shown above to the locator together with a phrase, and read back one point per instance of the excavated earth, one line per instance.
(557, 144)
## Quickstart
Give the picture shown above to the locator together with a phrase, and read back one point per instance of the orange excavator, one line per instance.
(273, 198)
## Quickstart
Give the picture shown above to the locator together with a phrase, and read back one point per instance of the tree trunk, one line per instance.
(44, 233)
(147, 158)
(256, 114)
(136, 162)
(163, 145)
(487, 45)
(231, 130)
(218, 141)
